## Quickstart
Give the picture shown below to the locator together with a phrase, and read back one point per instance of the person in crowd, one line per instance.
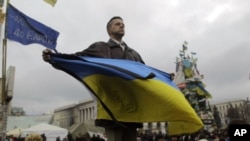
(58, 138)
(33, 137)
(70, 137)
(43, 137)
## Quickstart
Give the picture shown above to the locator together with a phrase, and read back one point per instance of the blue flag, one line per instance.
(26, 30)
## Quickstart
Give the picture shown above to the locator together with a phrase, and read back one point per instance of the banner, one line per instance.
(131, 92)
(26, 30)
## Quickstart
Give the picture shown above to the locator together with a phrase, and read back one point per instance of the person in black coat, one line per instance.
(114, 48)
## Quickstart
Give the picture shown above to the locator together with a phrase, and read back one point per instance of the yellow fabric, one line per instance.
(203, 93)
(147, 100)
(51, 2)
(188, 72)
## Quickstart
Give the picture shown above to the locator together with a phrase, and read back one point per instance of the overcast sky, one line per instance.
(217, 30)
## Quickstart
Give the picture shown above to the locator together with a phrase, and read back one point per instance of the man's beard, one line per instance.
(118, 35)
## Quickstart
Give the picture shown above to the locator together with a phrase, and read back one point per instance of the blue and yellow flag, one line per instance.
(132, 92)
(26, 30)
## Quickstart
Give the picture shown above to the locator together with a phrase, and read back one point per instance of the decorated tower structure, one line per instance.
(189, 80)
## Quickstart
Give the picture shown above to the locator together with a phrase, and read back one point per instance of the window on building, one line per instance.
(158, 125)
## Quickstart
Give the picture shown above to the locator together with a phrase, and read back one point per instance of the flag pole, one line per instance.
(4, 94)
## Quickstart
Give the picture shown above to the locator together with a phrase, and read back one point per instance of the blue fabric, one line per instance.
(187, 63)
(126, 69)
(26, 30)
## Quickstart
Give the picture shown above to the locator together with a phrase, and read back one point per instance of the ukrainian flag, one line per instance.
(130, 91)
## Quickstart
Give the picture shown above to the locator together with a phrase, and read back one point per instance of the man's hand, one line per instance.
(46, 55)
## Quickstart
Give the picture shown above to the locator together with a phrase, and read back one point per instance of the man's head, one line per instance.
(115, 28)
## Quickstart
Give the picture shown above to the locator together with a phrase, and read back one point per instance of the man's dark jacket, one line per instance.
(111, 50)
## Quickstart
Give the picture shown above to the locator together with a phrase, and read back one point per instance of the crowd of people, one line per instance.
(30, 137)
(96, 138)
(203, 135)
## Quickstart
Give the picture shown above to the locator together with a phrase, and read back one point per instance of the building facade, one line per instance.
(75, 113)
(241, 107)
(70, 115)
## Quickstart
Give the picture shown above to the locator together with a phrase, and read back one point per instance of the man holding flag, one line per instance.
(128, 92)
(115, 48)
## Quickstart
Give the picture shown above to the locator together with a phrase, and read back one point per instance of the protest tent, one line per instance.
(51, 132)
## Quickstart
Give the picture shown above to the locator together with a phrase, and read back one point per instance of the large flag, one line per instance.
(129, 91)
(26, 30)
